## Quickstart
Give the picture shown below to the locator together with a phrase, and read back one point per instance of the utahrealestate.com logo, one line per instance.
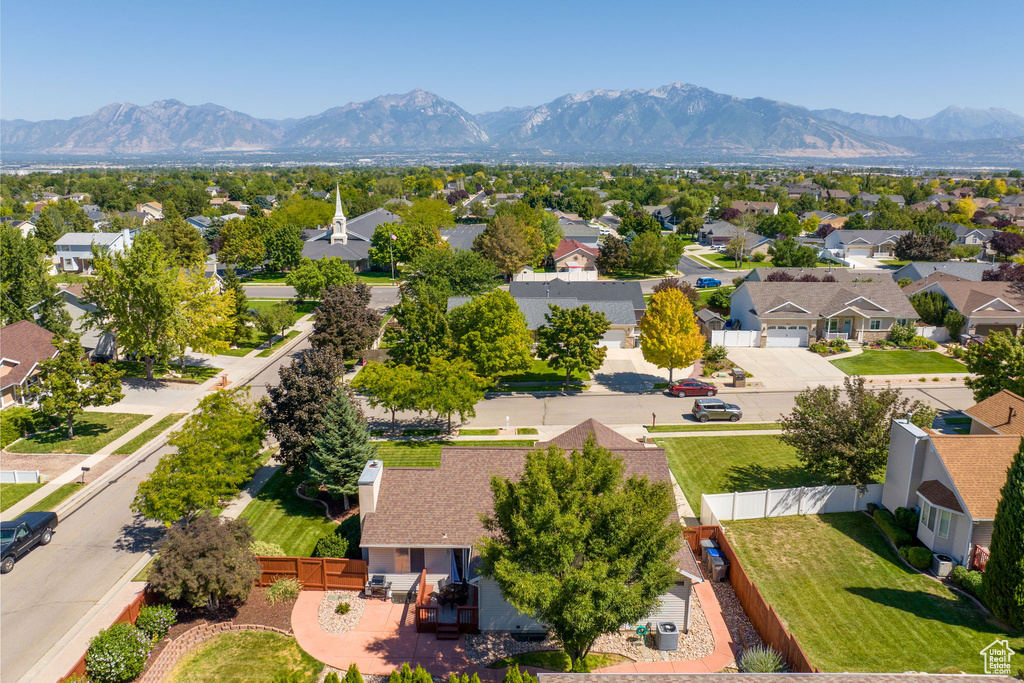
(997, 658)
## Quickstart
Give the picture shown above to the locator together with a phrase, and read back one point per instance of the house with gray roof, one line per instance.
(965, 270)
(346, 239)
(721, 233)
(862, 243)
(200, 223)
(793, 313)
(462, 236)
(869, 199)
(74, 249)
(409, 536)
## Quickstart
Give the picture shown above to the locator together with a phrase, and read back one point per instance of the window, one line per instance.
(901, 321)
(833, 325)
(945, 518)
(875, 325)
(928, 515)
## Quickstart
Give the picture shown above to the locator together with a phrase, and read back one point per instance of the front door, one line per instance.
(847, 327)
(416, 561)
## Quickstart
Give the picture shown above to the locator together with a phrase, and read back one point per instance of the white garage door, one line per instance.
(614, 339)
(862, 252)
(787, 335)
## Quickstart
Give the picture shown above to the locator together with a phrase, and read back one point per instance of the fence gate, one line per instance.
(311, 573)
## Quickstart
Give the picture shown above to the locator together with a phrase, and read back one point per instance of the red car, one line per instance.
(692, 387)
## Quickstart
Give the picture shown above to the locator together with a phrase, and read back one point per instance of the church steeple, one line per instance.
(339, 231)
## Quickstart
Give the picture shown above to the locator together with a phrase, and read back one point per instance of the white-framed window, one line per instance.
(901, 321)
(935, 519)
(945, 519)
(928, 515)
(833, 325)
(875, 325)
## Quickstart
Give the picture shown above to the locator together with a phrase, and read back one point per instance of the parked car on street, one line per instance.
(18, 537)
(692, 387)
(705, 409)
(703, 282)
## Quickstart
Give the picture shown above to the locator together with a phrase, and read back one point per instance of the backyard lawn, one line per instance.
(93, 431)
(137, 369)
(148, 435)
(279, 516)
(246, 657)
(428, 453)
(898, 362)
(542, 372)
(712, 464)
(12, 493)
(840, 588)
(557, 660)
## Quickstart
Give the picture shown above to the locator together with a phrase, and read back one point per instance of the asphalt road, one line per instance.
(693, 269)
(95, 544)
(383, 296)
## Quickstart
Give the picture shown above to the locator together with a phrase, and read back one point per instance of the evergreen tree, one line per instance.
(353, 675)
(183, 244)
(1003, 582)
(341, 447)
(240, 330)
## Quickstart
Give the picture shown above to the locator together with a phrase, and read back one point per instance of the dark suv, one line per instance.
(17, 538)
(705, 409)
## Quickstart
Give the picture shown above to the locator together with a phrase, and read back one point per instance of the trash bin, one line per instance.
(666, 637)
(709, 554)
(705, 545)
(719, 568)
(739, 378)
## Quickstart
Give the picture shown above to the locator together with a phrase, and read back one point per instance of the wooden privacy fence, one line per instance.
(762, 615)
(129, 614)
(315, 573)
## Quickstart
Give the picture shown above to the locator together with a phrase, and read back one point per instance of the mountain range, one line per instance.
(678, 119)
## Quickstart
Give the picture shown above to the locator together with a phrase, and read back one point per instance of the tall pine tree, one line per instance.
(341, 447)
(1004, 572)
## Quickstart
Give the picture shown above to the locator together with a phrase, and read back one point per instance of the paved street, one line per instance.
(693, 269)
(383, 296)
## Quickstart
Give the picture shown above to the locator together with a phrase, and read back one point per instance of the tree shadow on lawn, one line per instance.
(861, 527)
(959, 612)
(282, 492)
(755, 477)
(628, 381)
(84, 429)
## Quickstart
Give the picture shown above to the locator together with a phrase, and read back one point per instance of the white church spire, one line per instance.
(339, 231)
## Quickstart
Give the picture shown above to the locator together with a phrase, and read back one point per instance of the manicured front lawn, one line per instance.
(894, 262)
(478, 432)
(246, 657)
(717, 427)
(266, 277)
(303, 308)
(13, 493)
(137, 370)
(723, 261)
(56, 498)
(93, 431)
(148, 435)
(377, 278)
(898, 362)
(279, 516)
(269, 351)
(714, 464)
(70, 278)
(844, 594)
(542, 372)
(557, 660)
(428, 453)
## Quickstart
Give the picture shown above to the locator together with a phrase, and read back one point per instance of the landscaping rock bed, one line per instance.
(331, 621)
(743, 633)
(487, 648)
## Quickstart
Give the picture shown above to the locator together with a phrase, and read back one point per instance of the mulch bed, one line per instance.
(336, 508)
(256, 610)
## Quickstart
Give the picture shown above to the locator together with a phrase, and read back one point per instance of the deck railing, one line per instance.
(426, 613)
(979, 558)
(468, 619)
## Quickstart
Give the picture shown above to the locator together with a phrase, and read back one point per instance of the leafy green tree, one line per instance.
(202, 318)
(25, 281)
(788, 253)
(276, 319)
(293, 408)
(239, 323)
(570, 337)
(931, 307)
(302, 212)
(847, 441)
(135, 292)
(610, 559)
(423, 328)
(183, 245)
(855, 221)
(451, 386)
(68, 384)
(964, 252)
(283, 244)
(692, 205)
(204, 562)
(996, 364)
(671, 338)
(646, 254)
(216, 452)
(390, 386)
(345, 323)
(419, 229)
(311, 278)
(954, 323)
(1003, 580)
(241, 244)
(613, 255)
(510, 244)
(456, 272)
(638, 222)
(341, 447)
(490, 331)
(780, 224)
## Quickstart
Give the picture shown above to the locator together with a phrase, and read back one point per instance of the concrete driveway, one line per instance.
(626, 370)
(793, 369)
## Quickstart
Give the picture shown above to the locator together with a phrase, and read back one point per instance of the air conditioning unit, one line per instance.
(942, 565)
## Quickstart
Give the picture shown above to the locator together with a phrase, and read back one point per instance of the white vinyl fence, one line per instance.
(735, 337)
(806, 500)
(936, 334)
(19, 477)
(568, 276)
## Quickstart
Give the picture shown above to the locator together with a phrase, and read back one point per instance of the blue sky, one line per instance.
(281, 59)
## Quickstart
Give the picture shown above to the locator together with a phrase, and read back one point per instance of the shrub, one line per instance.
(117, 655)
(156, 620)
(954, 323)
(903, 282)
(332, 678)
(761, 659)
(284, 589)
(514, 675)
(16, 422)
(353, 675)
(342, 608)
(758, 257)
(818, 347)
(872, 507)
(887, 523)
(919, 342)
(917, 556)
(331, 545)
(970, 581)
(902, 334)
(907, 519)
(265, 549)
(736, 282)
(716, 354)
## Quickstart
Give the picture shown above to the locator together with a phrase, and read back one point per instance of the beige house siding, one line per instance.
(386, 561)
(978, 428)
(497, 615)
(672, 606)
(578, 259)
(982, 534)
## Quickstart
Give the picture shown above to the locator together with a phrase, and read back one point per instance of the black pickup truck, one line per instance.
(17, 538)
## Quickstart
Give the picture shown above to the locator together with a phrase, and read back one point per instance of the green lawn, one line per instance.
(844, 594)
(557, 660)
(137, 369)
(723, 261)
(478, 432)
(273, 277)
(542, 372)
(898, 362)
(894, 262)
(56, 498)
(148, 435)
(428, 453)
(522, 431)
(304, 308)
(93, 431)
(717, 427)
(13, 493)
(269, 351)
(714, 464)
(246, 657)
(377, 278)
(278, 516)
(542, 388)
(70, 278)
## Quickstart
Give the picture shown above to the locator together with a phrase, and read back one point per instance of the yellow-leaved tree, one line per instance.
(671, 338)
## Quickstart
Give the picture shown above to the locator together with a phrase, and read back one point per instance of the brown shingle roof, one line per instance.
(938, 494)
(566, 247)
(770, 678)
(968, 296)
(578, 435)
(977, 464)
(1003, 412)
(827, 298)
(27, 344)
(441, 507)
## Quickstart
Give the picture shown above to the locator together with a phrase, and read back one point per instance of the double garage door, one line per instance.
(860, 252)
(786, 335)
(613, 339)
(989, 329)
